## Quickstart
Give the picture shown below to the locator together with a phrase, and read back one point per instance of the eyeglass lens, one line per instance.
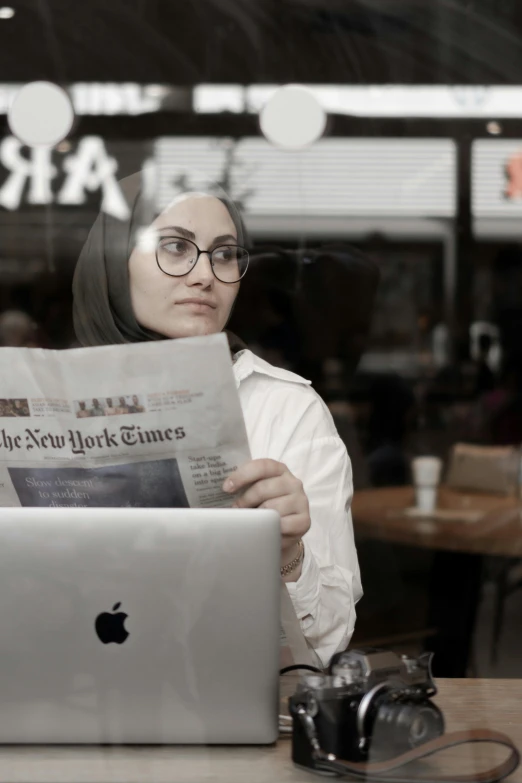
(177, 256)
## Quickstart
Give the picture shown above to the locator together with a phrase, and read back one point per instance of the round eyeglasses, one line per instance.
(177, 257)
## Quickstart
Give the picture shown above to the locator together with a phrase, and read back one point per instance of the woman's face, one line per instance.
(198, 303)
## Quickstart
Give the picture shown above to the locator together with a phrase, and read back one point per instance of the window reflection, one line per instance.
(384, 241)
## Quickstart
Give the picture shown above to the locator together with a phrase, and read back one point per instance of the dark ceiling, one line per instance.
(334, 41)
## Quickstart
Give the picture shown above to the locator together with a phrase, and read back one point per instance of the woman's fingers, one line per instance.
(285, 506)
(266, 483)
(252, 471)
(293, 527)
(268, 489)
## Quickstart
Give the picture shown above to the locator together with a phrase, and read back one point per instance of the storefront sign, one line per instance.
(514, 176)
(497, 188)
(339, 178)
(31, 172)
(389, 100)
(336, 177)
(497, 178)
(99, 98)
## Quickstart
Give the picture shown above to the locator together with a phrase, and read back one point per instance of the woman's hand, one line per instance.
(265, 483)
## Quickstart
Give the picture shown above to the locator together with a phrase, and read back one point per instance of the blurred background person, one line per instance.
(18, 330)
(485, 380)
(392, 408)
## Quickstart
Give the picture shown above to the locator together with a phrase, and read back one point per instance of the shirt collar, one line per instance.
(247, 363)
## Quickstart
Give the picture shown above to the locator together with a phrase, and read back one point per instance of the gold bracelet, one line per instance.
(292, 565)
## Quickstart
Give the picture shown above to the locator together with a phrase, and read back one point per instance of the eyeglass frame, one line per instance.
(200, 253)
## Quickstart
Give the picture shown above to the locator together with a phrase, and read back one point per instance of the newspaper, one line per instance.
(147, 424)
(156, 424)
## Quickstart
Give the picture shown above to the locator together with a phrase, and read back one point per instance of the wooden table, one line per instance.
(376, 514)
(495, 704)
(456, 576)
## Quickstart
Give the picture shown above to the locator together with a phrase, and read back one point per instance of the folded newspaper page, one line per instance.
(147, 424)
(156, 424)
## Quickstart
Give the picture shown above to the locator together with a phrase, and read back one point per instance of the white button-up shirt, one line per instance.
(287, 421)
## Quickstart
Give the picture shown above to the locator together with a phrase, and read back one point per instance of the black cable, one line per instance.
(297, 666)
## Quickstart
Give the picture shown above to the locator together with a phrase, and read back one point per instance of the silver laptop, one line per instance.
(139, 625)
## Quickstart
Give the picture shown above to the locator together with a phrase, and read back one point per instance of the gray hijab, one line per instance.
(102, 308)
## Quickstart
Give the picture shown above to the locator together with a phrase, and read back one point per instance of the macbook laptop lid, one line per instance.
(139, 625)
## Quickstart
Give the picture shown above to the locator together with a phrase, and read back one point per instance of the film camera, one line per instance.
(371, 706)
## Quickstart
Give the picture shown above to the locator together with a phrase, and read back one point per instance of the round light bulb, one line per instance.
(495, 128)
(41, 114)
(292, 118)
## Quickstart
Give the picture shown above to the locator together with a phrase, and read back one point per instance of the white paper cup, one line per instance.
(426, 471)
(426, 499)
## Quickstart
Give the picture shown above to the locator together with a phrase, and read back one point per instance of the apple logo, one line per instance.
(110, 627)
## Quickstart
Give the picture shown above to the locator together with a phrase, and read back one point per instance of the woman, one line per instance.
(153, 279)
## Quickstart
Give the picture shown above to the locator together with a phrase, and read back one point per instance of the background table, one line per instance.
(494, 704)
(456, 576)
(376, 514)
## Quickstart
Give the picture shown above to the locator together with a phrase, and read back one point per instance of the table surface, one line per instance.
(376, 514)
(493, 704)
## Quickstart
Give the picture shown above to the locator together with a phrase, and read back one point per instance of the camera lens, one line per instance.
(399, 726)
(426, 723)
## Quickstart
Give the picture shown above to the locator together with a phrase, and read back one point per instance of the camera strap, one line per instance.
(383, 771)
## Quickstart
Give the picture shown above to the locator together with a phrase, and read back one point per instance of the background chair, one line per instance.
(491, 469)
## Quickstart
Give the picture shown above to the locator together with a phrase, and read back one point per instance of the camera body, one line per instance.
(371, 706)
